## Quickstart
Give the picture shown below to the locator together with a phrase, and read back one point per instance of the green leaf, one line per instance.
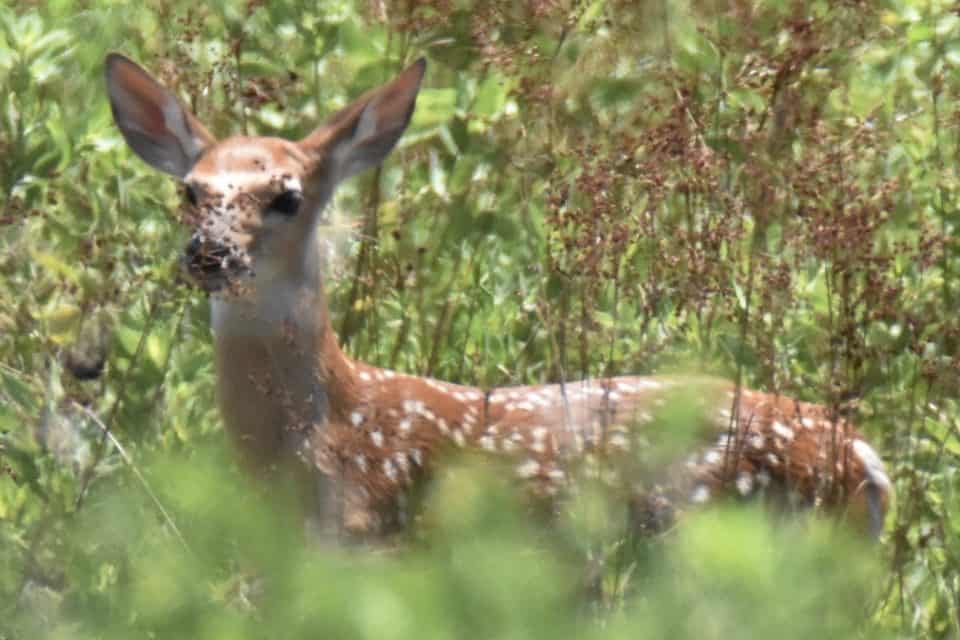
(56, 266)
(491, 96)
(434, 106)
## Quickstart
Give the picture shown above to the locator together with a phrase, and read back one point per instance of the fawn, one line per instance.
(364, 437)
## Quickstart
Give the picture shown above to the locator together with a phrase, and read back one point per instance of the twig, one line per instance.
(86, 476)
(129, 462)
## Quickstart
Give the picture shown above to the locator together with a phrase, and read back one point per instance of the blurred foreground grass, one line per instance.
(478, 569)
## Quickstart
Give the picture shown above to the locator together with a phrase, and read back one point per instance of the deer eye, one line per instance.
(287, 203)
(191, 195)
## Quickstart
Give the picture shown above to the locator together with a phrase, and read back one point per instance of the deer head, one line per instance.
(255, 201)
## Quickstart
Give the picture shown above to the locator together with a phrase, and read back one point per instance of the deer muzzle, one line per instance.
(214, 265)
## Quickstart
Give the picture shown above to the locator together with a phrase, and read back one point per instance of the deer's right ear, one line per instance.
(153, 122)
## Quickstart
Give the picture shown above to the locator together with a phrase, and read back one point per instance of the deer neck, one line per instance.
(278, 362)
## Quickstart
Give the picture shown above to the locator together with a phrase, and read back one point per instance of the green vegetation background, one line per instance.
(762, 190)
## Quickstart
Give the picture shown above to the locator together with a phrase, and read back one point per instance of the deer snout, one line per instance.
(213, 264)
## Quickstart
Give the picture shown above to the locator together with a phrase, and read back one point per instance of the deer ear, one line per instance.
(153, 122)
(362, 134)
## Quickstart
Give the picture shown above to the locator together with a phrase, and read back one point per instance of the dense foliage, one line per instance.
(762, 190)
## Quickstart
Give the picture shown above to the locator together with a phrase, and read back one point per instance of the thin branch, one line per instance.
(136, 471)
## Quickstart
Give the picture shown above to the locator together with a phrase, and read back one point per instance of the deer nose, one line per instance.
(193, 248)
(206, 256)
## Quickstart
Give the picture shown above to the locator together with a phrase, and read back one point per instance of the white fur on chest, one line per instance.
(263, 313)
(264, 341)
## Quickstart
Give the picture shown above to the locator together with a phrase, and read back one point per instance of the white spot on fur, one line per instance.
(701, 494)
(363, 375)
(377, 438)
(487, 443)
(744, 483)
(361, 462)
(402, 462)
(782, 430)
(390, 470)
(405, 425)
(528, 469)
(443, 427)
(712, 458)
(417, 456)
(356, 418)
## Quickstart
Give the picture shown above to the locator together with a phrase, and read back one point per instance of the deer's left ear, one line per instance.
(362, 134)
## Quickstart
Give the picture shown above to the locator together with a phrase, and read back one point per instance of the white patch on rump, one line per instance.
(872, 464)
